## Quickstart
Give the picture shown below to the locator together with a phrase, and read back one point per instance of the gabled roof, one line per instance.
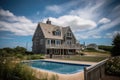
(48, 29)
(65, 29)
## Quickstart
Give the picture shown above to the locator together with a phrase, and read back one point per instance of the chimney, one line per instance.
(48, 22)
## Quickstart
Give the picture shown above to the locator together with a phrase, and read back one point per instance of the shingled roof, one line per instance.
(48, 29)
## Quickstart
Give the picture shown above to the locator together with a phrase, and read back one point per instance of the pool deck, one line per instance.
(75, 76)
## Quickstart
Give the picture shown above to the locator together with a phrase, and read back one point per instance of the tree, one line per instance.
(105, 47)
(19, 49)
(116, 45)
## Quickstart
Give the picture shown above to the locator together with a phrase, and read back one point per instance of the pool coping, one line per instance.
(74, 76)
(65, 61)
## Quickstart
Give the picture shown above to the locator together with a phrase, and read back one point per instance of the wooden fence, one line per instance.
(95, 72)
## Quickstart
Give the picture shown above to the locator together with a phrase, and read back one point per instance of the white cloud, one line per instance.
(90, 11)
(75, 22)
(96, 36)
(79, 36)
(97, 31)
(62, 7)
(5, 13)
(19, 25)
(111, 35)
(54, 8)
(104, 21)
(112, 24)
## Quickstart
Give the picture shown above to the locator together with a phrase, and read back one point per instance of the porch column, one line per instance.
(60, 51)
(63, 52)
(67, 51)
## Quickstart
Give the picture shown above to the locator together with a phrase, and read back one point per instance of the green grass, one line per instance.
(34, 56)
(86, 58)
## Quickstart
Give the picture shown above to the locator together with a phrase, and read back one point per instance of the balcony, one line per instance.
(63, 46)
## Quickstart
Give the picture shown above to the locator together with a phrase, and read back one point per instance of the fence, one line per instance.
(95, 72)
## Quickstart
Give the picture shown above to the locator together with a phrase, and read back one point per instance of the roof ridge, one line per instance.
(55, 25)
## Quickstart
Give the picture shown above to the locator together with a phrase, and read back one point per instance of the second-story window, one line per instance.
(69, 34)
(57, 33)
(57, 42)
(69, 42)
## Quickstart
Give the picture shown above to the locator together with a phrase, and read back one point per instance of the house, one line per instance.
(83, 47)
(52, 39)
(93, 45)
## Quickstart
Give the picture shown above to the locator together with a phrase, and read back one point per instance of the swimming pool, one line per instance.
(58, 67)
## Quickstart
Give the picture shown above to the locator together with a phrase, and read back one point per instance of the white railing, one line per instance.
(95, 72)
(72, 46)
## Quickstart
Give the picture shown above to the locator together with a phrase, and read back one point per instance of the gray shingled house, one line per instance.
(52, 39)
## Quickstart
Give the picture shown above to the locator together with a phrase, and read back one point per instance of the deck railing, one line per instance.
(95, 72)
(63, 46)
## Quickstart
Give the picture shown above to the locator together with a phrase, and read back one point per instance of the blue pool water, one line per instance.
(59, 67)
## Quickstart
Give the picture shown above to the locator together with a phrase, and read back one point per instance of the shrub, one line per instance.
(10, 70)
(35, 56)
(113, 66)
(19, 49)
(19, 56)
(29, 53)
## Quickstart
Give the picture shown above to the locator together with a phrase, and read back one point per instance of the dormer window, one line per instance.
(69, 34)
(57, 33)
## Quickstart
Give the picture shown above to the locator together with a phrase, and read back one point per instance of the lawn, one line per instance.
(85, 58)
(89, 56)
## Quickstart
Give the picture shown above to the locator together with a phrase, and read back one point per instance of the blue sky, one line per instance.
(92, 21)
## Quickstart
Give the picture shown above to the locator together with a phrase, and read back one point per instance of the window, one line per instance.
(69, 34)
(57, 33)
(48, 41)
(69, 42)
(57, 42)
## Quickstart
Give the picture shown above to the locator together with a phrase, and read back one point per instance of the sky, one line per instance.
(92, 21)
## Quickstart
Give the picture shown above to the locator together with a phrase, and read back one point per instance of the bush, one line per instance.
(35, 56)
(19, 56)
(113, 66)
(10, 70)
(29, 53)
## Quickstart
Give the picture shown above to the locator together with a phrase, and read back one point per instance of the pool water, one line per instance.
(58, 67)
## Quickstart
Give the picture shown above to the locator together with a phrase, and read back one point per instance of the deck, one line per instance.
(63, 46)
